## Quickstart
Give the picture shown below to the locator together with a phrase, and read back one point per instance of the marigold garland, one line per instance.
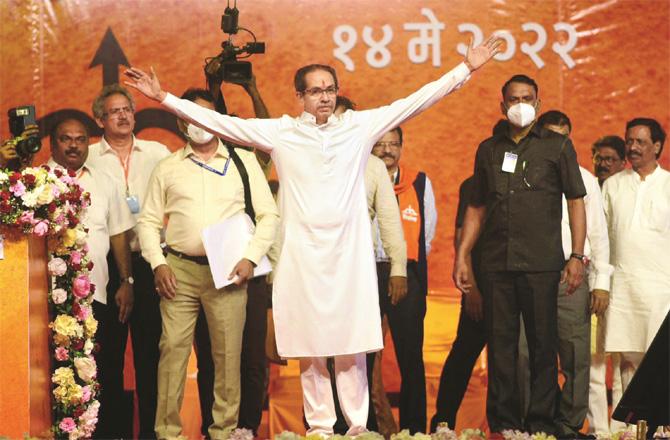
(50, 203)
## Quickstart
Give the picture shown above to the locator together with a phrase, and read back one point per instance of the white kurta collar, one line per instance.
(650, 177)
(311, 119)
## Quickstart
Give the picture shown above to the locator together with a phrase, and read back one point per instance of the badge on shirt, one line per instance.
(509, 163)
(133, 203)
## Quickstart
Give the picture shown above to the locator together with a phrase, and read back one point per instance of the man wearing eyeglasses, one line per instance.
(130, 161)
(637, 206)
(418, 214)
(609, 157)
(325, 283)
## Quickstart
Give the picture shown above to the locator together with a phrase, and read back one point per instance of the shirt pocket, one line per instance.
(539, 174)
(659, 213)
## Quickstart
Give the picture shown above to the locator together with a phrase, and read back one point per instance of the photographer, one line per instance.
(14, 158)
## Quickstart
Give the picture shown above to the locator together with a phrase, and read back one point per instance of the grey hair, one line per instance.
(98, 106)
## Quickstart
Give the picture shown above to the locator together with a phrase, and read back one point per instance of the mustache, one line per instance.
(602, 169)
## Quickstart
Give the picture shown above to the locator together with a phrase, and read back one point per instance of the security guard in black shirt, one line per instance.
(515, 211)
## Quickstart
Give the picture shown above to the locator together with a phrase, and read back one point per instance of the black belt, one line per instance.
(199, 260)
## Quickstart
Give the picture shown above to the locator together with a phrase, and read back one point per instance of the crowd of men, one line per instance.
(539, 249)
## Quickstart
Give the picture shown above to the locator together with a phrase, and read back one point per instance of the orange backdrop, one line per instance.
(617, 68)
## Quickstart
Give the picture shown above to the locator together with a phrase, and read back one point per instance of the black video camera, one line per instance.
(226, 66)
(19, 119)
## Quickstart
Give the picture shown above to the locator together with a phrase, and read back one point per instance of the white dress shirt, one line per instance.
(144, 156)
(638, 216)
(596, 246)
(108, 215)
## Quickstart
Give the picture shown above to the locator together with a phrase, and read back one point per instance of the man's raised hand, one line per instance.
(476, 57)
(147, 84)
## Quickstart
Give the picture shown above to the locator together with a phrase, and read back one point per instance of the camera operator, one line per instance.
(260, 110)
(11, 158)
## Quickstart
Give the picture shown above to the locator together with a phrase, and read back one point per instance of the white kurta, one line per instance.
(325, 298)
(596, 245)
(638, 216)
(107, 216)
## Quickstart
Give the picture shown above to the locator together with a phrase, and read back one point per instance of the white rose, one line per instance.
(88, 346)
(59, 296)
(86, 368)
(81, 235)
(30, 198)
(46, 194)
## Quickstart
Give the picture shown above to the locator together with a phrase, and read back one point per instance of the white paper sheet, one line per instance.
(225, 244)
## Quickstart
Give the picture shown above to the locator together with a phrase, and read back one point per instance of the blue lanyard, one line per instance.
(208, 168)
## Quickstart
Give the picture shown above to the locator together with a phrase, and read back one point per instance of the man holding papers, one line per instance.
(196, 187)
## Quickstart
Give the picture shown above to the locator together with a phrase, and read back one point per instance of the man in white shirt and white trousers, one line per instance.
(637, 207)
(325, 284)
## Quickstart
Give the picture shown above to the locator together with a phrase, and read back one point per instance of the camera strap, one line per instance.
(248, 205)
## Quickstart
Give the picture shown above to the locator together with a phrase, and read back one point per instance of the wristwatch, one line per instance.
(583, 258)
(129, 280)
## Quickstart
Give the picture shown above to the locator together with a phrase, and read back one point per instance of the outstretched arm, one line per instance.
(261, 112)
(259, 133)
(388, 117)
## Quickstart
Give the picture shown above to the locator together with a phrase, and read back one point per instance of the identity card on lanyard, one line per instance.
(208, 168)
(509, 163)
(131, 199)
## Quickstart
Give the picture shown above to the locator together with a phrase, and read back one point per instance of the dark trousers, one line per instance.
(533, 295)
(457, 369)
(574, 355)
(145, 331)
(406, 325)
(253, 366)
(113, 416)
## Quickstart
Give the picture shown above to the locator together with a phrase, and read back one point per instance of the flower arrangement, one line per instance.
(50, 203)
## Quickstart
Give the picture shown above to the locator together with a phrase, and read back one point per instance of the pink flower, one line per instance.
(61, 354)
(81, 286)
(41, 228)
(75, 257)
(58, 296)
(82, 312)
(57, 267)
(28, 217)
(85, 393)
(67, 424)
(18, 189)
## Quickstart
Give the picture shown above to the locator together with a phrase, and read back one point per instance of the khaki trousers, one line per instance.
(225, 312)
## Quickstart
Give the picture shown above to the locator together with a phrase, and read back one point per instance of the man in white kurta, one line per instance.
(325, 285)
(637, 206)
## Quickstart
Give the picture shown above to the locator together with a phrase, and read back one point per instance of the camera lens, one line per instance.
(28, 146)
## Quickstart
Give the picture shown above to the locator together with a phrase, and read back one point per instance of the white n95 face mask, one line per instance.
(198, 135)
(521, 114)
